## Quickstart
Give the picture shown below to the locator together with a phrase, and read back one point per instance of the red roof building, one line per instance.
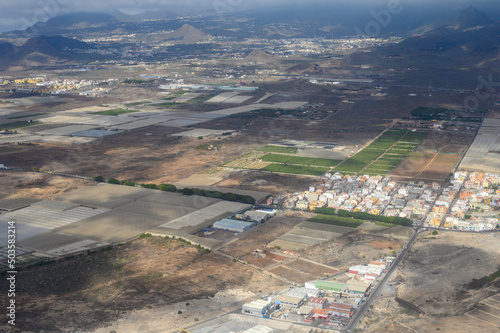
(341, 309)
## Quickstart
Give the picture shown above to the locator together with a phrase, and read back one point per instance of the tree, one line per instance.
(113, 181)
(151, 186)
(99, 179)
(229, 197)
(167, 188)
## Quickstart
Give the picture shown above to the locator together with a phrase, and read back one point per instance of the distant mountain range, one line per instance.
(472, 32)
(43, 50)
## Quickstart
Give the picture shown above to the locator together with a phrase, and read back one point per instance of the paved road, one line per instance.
(376, 292)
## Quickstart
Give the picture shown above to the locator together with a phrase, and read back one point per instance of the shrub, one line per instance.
(114, 181)
(167, 188)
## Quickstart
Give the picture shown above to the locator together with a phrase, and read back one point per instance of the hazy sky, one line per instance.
(20, 14)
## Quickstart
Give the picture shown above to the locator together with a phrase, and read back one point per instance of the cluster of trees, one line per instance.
(186, 191)
(365, 216)
(219, 195)
(161, 187)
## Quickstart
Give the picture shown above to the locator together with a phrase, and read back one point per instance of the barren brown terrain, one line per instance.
(437, 156)
(267, 182)
(39, 185)
(353, 248)
(94, 290)
(435, 277)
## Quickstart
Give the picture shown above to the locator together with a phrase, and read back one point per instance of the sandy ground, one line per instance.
(168, 318)
(353, 248)
(38, 185)
(131, 285)
(435, 277)
(267, 182)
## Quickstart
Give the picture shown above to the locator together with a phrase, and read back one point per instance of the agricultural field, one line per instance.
(115, 112)
(257, 165)
(17, 124)
(383, 154)
(138, 103)
(278, 149)
(298, 165)
(244, 160)
(174, 95)
(300, 160)
(296, 169)
(28, 116)
(359, 161)
(172, 103)
(337, 220)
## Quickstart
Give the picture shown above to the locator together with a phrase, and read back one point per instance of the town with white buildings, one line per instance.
(469, 202)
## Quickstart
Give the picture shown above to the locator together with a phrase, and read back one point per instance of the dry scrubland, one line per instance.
(37, 185)
(435, 277)
(146, 277)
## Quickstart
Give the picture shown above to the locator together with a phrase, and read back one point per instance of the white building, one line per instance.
(256, 308)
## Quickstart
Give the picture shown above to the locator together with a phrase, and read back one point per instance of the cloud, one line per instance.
(20, 14)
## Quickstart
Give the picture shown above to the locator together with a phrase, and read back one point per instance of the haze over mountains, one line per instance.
(472, 31)
(470, 37)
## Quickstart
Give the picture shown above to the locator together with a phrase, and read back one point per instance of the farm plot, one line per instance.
(257, 165)
(311, 268)
(440, 167)
(388, 151)
(17, 124)
(114, 112)
(244, 160)
(296, 169)
(278, 149)
(359, 161)
(300, 160)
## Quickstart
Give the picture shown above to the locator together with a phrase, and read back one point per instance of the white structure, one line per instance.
(233, 225)
(256, 308)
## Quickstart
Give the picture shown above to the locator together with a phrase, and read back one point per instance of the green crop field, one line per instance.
(175, 95)
(384, 141)
(357, 162)
(17, 124)
(279, 149)
(296, 169)
(416, 137)
(300, 160)
(115, 112)
(27, 116)
(337, 220)
(392, 147)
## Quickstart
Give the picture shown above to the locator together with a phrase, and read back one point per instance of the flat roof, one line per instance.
(232, 223)
(13, 202)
